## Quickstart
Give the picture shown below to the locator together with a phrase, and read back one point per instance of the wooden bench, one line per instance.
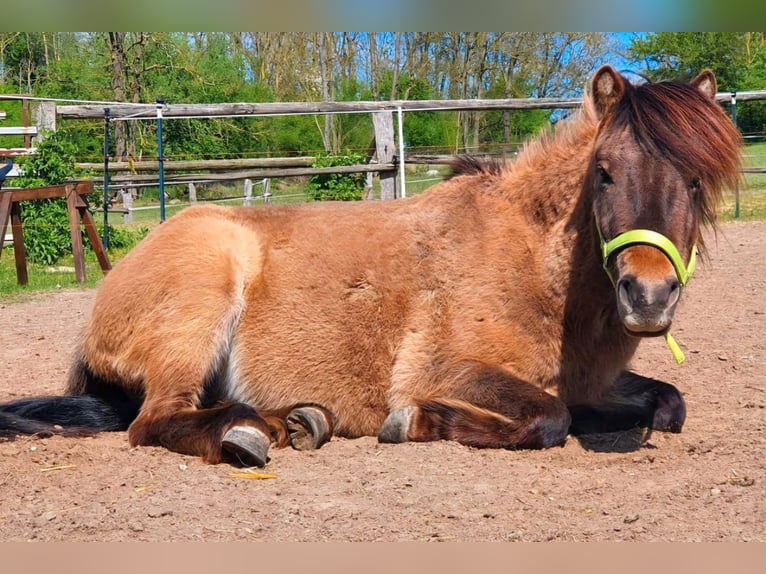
(10, 212)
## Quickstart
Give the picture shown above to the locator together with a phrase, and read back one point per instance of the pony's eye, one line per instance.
(695, 185)
(603, 174)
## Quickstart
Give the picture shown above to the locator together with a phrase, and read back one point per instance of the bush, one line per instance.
(46, 230)
(120, 237)
(337, 186)
(46, 222)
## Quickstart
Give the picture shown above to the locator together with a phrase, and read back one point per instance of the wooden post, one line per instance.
(192, 193)
(90, 228)
(385, 149)
(5, 215)
(127, 205)
(74, 232)
(11, 213)
(248, 192)
(266, 190)
(369, 192)
(44, 117)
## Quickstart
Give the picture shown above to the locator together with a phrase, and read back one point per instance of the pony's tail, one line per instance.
(94, 407)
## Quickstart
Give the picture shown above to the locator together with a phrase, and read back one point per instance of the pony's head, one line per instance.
(662, 153)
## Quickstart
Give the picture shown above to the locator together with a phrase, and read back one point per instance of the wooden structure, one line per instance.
(34, 119)
(10, 211)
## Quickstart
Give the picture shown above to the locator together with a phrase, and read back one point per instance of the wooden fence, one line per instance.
(388, 156)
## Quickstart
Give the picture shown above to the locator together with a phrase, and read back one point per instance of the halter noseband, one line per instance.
(659, 241)
(653, 239)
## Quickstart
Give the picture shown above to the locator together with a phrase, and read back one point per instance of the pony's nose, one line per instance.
(647, 305)
(633, 292)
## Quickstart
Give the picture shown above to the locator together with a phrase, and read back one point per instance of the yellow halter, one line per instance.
(653, 239)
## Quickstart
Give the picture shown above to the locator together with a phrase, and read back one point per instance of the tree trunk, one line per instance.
(119, 77)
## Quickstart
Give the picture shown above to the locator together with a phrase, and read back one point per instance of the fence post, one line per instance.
(161, 158)
(385, 148)
(734, 121)
(192, 193)
(106, 179)
(368, 190)
(248, 192)
(400, 126)
(127, 205)
(44, 117)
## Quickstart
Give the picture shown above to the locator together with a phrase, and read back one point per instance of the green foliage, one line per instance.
(53, 164)
(685, 54)
(337, 186)
(209, 67)
(120, 238)
(738, 59)
(515, 125)
(46, 230)
(46, 222)
(426, 130)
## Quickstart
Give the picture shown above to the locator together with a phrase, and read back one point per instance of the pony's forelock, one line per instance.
(676, 121)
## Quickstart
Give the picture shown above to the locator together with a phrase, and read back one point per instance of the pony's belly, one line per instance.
(282, 377)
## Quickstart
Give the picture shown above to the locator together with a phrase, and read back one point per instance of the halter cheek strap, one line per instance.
(659, 241)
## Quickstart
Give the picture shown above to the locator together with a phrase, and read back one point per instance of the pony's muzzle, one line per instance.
(646, 306)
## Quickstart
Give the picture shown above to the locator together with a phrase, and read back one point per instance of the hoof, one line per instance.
(309, 427)
(246, 446)
(397, 425)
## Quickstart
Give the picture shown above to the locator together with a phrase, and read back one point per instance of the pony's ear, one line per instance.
(706, 83)
(608, 88)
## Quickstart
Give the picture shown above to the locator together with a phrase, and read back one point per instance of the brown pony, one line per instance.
(479, 311)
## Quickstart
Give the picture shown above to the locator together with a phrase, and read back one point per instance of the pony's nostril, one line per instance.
(674, 292)
(626, 291)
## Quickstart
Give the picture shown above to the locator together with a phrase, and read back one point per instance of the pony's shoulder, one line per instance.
(470, 165)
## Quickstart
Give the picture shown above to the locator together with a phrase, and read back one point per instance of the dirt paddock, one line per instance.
(706, 484)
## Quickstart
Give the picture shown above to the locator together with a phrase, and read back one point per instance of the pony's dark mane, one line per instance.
(679, 123)
(469, 165)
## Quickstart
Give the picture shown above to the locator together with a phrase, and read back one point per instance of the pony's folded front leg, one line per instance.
(232, 433)
(634, 401)
(490, 409)
(305, 426)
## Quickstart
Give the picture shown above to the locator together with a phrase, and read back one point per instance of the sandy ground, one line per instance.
(706, 484)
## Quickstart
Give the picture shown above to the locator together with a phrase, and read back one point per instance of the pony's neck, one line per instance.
(551, 171)
(561, 206)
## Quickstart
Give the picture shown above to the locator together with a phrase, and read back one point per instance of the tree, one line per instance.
(206, 67)
(685, 54)
(738, 59)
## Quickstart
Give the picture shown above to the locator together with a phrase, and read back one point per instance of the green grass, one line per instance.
(752, 191)
(48, 278)
(147, 213)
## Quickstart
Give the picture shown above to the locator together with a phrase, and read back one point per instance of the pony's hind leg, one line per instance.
(233, 433)
(175, 343)
(633, 402)
(489, 408)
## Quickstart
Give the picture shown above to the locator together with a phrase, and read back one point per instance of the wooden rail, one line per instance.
(208, 164)
(245, 109)
(18, 131)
